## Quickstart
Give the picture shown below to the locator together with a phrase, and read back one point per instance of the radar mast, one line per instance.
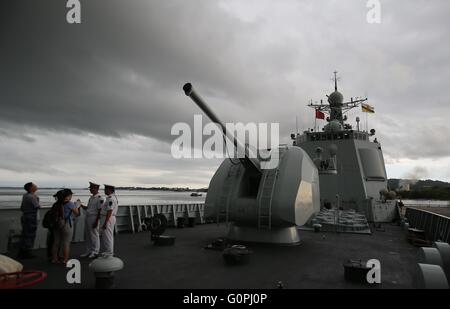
(336, 107)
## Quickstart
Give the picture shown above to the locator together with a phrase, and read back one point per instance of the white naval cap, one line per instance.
(109, 186)
(93, 184)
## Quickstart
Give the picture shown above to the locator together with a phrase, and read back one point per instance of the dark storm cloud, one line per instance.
(120, 71)
(16, 134)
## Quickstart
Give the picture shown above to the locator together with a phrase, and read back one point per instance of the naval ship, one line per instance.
(355, 169)
(313, 221)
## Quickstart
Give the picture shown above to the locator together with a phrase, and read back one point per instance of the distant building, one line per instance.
(405, 185)
(401, 184)
(394, 184)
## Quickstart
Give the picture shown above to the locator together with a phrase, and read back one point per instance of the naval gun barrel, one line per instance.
(249, 161)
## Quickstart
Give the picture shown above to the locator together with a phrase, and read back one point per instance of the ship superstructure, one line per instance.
(350, 160)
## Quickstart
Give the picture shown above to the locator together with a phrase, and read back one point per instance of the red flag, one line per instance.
(319, 114)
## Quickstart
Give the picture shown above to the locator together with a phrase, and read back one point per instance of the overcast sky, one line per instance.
(96, 100)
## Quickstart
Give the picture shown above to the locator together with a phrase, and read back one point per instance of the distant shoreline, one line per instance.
(162, 189)
(187, 189)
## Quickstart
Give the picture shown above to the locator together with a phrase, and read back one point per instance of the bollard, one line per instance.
(236, 255)
(104, 269)
(317, 227)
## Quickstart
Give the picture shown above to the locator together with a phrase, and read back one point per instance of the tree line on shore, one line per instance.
(422, 189)
(186, 189)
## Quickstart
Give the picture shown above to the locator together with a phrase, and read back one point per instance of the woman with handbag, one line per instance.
(63, 231)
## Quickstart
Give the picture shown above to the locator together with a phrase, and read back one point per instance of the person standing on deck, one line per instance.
(29, 207)
(107, 219)
(63, 233)
(51, 231)
(91, 231)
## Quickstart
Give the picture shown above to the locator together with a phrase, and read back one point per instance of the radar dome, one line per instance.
(336, 98)
(333, 126)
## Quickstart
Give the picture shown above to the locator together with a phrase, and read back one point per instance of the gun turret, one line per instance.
(264, 204)
(250, 160)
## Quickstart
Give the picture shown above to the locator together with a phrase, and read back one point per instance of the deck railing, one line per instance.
(129, 219)
(436, 227)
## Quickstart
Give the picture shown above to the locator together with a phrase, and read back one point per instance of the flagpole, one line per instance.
(367, 122)
(315, 122)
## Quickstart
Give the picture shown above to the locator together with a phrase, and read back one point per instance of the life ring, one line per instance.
(22, 279)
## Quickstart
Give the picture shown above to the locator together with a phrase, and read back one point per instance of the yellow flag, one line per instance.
(366, 108)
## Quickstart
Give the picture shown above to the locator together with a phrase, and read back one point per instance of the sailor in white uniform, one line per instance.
(91, 224)
(108, 221)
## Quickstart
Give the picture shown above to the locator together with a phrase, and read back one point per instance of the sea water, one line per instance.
(12, 197)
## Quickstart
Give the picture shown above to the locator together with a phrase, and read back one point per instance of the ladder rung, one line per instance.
(265, 200)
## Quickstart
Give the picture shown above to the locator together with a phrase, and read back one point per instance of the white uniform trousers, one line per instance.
(107, 236)
(91, 235)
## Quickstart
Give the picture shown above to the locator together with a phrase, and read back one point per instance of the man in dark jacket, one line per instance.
(29, 207)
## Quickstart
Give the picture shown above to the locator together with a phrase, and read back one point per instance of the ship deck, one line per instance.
(316, 263)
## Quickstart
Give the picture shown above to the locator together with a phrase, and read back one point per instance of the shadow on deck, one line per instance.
(316, 263)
